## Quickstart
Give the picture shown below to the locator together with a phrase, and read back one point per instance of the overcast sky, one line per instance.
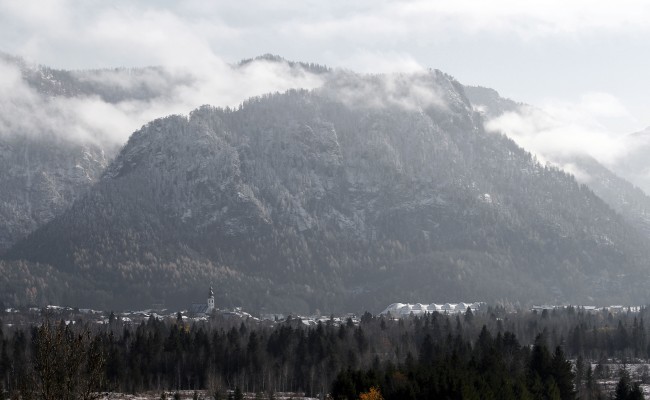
(586, 56)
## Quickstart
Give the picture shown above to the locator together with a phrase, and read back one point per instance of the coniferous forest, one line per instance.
(558, 354)
(187, 214)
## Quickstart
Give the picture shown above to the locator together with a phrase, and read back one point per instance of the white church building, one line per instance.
(203, 309)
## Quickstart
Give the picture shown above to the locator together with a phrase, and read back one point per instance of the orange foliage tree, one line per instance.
(372, 394)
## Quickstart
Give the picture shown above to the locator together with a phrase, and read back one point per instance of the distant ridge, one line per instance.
(370, 188)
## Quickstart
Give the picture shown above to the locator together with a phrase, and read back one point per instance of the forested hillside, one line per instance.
(59, 129)
(624, 197)
(46, 162)
(371, 189)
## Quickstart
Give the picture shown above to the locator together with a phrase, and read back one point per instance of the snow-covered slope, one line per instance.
(40, 179)
(49, 155)
(609, 184)
(43, 170)
(368, 189)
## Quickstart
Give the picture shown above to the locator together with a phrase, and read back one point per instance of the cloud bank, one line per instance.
(64, 32)
(195, 40)
(411, 92)
(558, 131)
(122, 100)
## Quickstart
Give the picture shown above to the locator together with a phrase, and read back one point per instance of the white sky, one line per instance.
(591, 56)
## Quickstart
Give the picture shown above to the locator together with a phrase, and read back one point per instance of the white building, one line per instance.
(201, 309)
(400, 310)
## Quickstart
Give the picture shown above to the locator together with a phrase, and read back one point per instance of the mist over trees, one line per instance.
(367, 190)
(312, 200)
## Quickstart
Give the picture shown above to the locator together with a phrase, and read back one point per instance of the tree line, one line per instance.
(486, 355)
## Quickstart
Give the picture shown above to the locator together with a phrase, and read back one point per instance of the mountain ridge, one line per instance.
(316, 200)
(623, 196)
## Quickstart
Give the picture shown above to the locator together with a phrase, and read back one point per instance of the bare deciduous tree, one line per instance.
(68, 363)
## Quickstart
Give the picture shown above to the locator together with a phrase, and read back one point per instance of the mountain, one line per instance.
(42, 171)
(40, 179)
(635, 166)
(46, 163)
(111, 85)
(625, 198)
(489, 103)
(59, 128)
(620, 194)
(370, 189)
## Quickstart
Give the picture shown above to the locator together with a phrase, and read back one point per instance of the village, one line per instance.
(208, 311)
(208, 316)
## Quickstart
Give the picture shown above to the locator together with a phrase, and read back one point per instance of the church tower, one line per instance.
(210, 301)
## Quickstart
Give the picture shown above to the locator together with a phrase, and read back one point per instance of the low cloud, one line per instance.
(382, 62)
(580, 174)
(411, 92)
(366, 35)
(126, 99)
(112, 103)
(68, 33)
(560, 130)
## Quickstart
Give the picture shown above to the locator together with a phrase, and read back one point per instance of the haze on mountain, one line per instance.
(609, 183)
(564, 142)
(297, 186)
(366, 189)
(59, 129)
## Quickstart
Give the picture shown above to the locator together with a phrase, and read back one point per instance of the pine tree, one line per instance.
(623, 387)
(238, 393)
(636, 393)
(561, 370)
(540, 359)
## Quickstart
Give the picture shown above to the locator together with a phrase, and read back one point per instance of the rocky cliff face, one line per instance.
(369, 189)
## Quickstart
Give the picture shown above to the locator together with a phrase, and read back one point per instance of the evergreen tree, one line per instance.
(238, 393)
(624, 386)
(469, 315)
(562, 372)
(540, 359)
(636, 393)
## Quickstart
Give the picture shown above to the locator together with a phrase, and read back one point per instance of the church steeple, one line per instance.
(210, 300)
